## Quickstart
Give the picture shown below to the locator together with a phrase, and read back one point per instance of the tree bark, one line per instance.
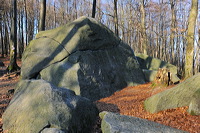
(2, 42)
(13, 39)
(144, 35)
(172, 3)
(94, 8)
(54, 9)
(26, 22)
(116, 18)
(42, 15)
(188, 69)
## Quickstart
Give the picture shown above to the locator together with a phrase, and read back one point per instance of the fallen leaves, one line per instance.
(129, 101)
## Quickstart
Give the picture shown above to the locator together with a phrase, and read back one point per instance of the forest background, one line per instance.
(158, 28)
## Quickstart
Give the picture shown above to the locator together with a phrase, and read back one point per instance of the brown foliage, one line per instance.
(129, 101)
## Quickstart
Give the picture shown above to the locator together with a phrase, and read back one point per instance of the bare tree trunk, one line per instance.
(21, 46)
(2, 42)
(94, 8)
(76, 12)
(116, 18)
(198, 55)
(26, 22)
(54, 8)
(6, 39)
(188, 72)
(144, 35)
(42, 15)
(13, 39)
(172, 3)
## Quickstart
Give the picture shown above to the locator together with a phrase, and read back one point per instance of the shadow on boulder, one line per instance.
(38, 105)
(83, 56)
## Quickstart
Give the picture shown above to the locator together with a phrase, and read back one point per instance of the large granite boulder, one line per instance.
(39, 106)
(150, 66)
(83, 56)
(194, 106)
(178, 96)
(115, 123)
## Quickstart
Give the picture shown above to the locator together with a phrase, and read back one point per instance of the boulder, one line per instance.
(150, 65)
(178, 96)
(115, 123)
(149, 74)
(194, 106)
(83, 56)
(38, 106)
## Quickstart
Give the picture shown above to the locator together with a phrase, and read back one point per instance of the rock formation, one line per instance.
(151, 65)
(83, 56)
(38, 105)
(178, 96)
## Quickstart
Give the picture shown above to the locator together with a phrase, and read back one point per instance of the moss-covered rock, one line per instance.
(150, 65)
(38, 105)
(178, 96)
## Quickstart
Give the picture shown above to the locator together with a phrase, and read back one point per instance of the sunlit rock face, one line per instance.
(184, 94)
(83, 56)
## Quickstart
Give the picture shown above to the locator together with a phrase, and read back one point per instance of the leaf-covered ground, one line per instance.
(128, 101)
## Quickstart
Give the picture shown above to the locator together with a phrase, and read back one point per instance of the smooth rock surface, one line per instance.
(115, 123)
(38, 104)
(178, 96)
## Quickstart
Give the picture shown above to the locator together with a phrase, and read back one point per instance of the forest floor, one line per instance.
(128, 101)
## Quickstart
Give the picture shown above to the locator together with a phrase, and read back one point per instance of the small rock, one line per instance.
(52, 130)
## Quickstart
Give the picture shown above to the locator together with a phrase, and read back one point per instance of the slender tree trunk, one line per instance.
(13, 39)
(2, 42)
(188, 70)
(172, 30)
(198, 55)
(42, 15)
(26, 22)
(54, 8)
(75, 7)
(144, 35)
(116, 18)
(22, 36)
(6, 39)
(94, 8)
